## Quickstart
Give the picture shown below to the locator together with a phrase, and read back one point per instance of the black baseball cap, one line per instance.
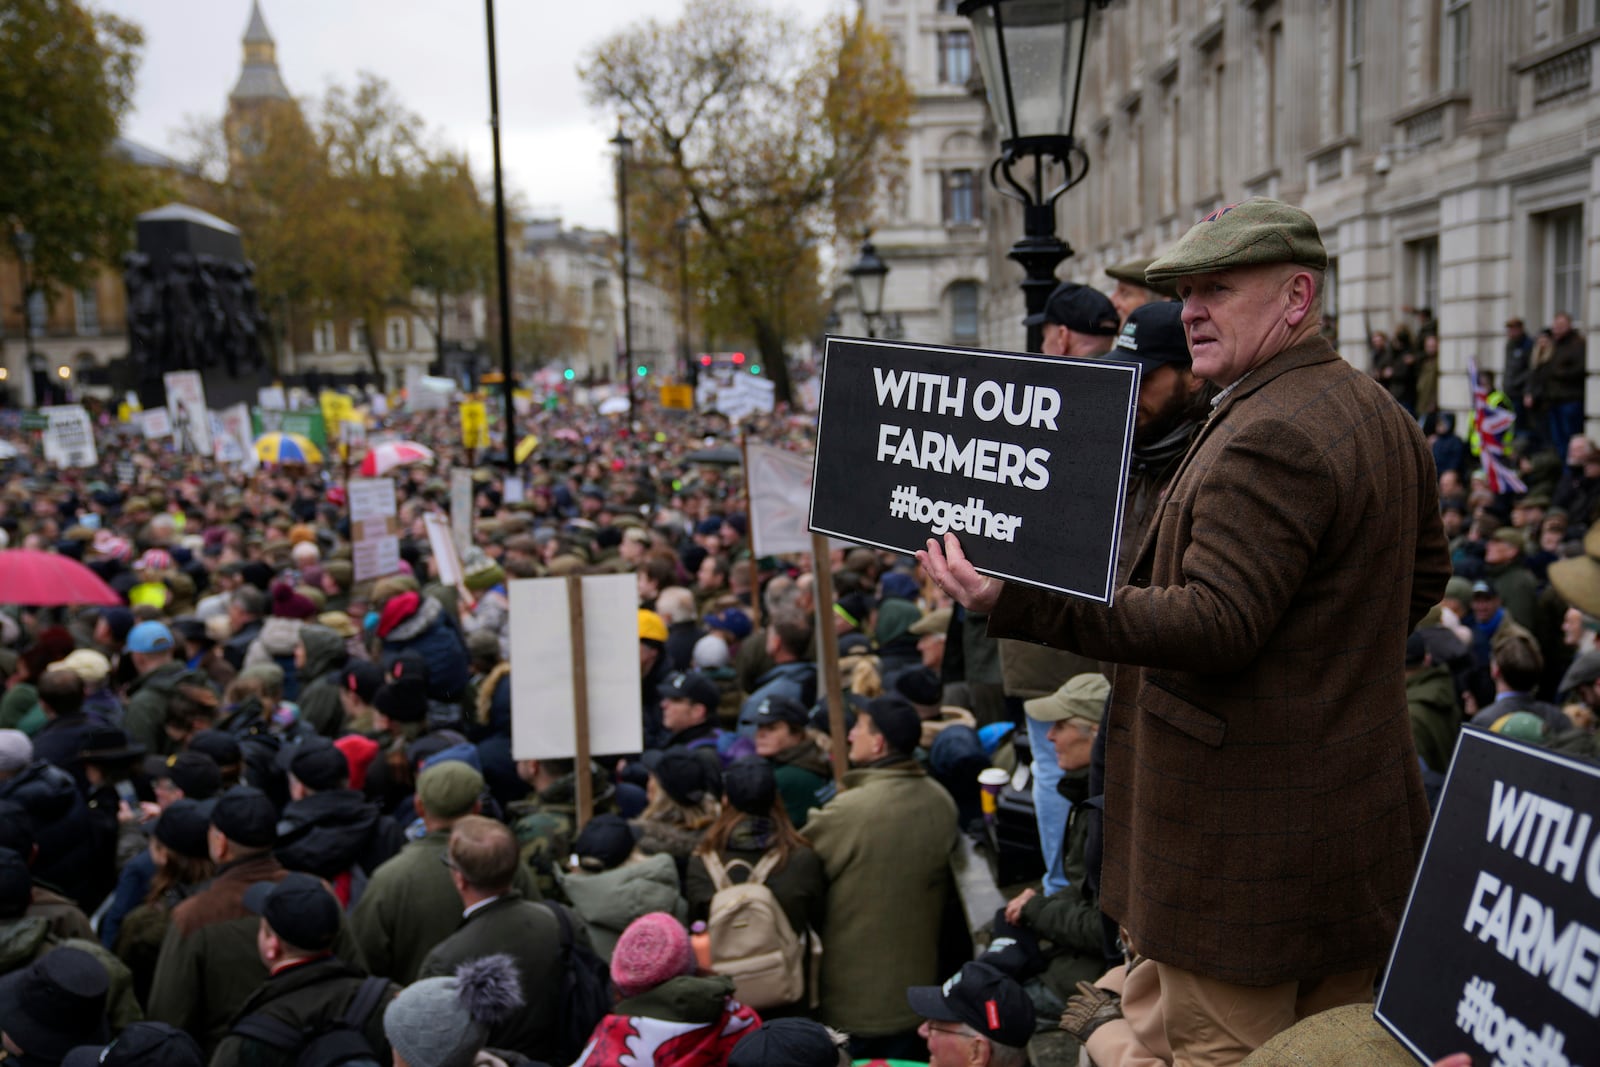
(607, 840)
(898, 722)
(920, 686)
(363, 678)
(684, 775)
(781, 709)
(182, 827)
(245, 814)
(693, 687)
(1153, 337)
(750, 785)
(193, 772)
(142, 1044)
(1079, 308)
(786, 1043)
(221, 746)
(984, 998)
(299, 909)
(316, 762)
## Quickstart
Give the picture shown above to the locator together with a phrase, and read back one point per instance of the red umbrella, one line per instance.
(44, 579)
(381, 459)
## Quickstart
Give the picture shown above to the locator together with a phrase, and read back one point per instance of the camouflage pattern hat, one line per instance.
(1132, 272)
(1247, 234)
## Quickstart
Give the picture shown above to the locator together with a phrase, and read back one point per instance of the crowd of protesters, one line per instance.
(262, 812)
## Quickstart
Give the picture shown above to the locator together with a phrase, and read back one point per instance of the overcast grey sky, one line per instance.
(434, 53)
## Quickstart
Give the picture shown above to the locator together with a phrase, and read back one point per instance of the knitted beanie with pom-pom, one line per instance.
(444, 1022)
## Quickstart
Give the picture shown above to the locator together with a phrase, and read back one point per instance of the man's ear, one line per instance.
(1299, 293)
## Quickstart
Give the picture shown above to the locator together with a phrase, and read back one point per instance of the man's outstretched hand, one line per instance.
(950, 571)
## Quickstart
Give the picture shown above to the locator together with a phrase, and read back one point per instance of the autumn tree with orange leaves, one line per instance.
(772, 140)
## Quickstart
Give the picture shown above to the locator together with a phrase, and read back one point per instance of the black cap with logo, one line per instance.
(985, 998)
(1153, 337)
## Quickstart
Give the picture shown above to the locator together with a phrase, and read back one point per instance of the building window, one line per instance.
(1562, 233)
(358, 335)
(88, 312)
(1457, 44)
(322, 337)
(38, 313)
(960, 198)
(397, 334)
(1214, 127)
(1354, 27)
(955, 57)
(964, 313)
(1172, 139)
(1422, 273)
(948, 7)
(1277, 85)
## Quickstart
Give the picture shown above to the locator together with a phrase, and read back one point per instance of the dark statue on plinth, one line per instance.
(192, 305)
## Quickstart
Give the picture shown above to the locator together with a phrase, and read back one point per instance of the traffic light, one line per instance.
(642, 370)
(738, 358)
(569, 374)
(705, 361)
(755, 368)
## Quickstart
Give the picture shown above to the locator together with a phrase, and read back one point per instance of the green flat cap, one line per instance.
(448, 790)
(1246, 234)
(1132, 272)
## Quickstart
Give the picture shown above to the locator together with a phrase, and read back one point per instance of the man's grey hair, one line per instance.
(675, 604)
(251, 601)
(781, 593)
(999, 1055)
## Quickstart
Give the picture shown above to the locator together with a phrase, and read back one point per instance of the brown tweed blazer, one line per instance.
(1264, 810)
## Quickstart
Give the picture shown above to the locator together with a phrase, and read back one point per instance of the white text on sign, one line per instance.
(943, 516)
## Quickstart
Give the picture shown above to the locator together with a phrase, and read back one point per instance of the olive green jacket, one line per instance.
(885, 843)
(410, 905)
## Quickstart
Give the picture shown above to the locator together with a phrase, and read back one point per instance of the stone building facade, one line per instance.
(932, 229)
(567, 301)
(1449, 149)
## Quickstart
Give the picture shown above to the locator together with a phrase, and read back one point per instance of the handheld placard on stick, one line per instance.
(756, 601)
(580, 700)
(828, 652)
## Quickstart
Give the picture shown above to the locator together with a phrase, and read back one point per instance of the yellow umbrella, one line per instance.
(278, 447)
(525, 448)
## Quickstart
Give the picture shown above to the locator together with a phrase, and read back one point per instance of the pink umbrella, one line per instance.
(44, 579)
(381, 459)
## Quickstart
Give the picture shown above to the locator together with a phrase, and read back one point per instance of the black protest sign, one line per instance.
(1023, 457)
(1499, 949)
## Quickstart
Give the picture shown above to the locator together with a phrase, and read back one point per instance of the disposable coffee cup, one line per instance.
(992, 779)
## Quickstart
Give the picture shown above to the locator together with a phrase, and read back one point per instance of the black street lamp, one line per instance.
(23, 241)
(502, 263)
(1031, 55)
(624, 145)
(686, 368)
(867, 275)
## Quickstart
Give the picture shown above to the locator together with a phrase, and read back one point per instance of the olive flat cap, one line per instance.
(1247, 234)
(1132, 272)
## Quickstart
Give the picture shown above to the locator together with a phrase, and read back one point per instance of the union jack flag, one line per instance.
(1492, 424)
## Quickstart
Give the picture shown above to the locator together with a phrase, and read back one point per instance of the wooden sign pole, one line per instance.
(828, 652)
(580, 700)
(757, 612)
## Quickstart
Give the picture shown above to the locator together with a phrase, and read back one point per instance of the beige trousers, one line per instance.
(1210, 1023)
(1139, 1038)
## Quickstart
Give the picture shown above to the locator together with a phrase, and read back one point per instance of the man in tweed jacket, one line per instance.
(1264, 810)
